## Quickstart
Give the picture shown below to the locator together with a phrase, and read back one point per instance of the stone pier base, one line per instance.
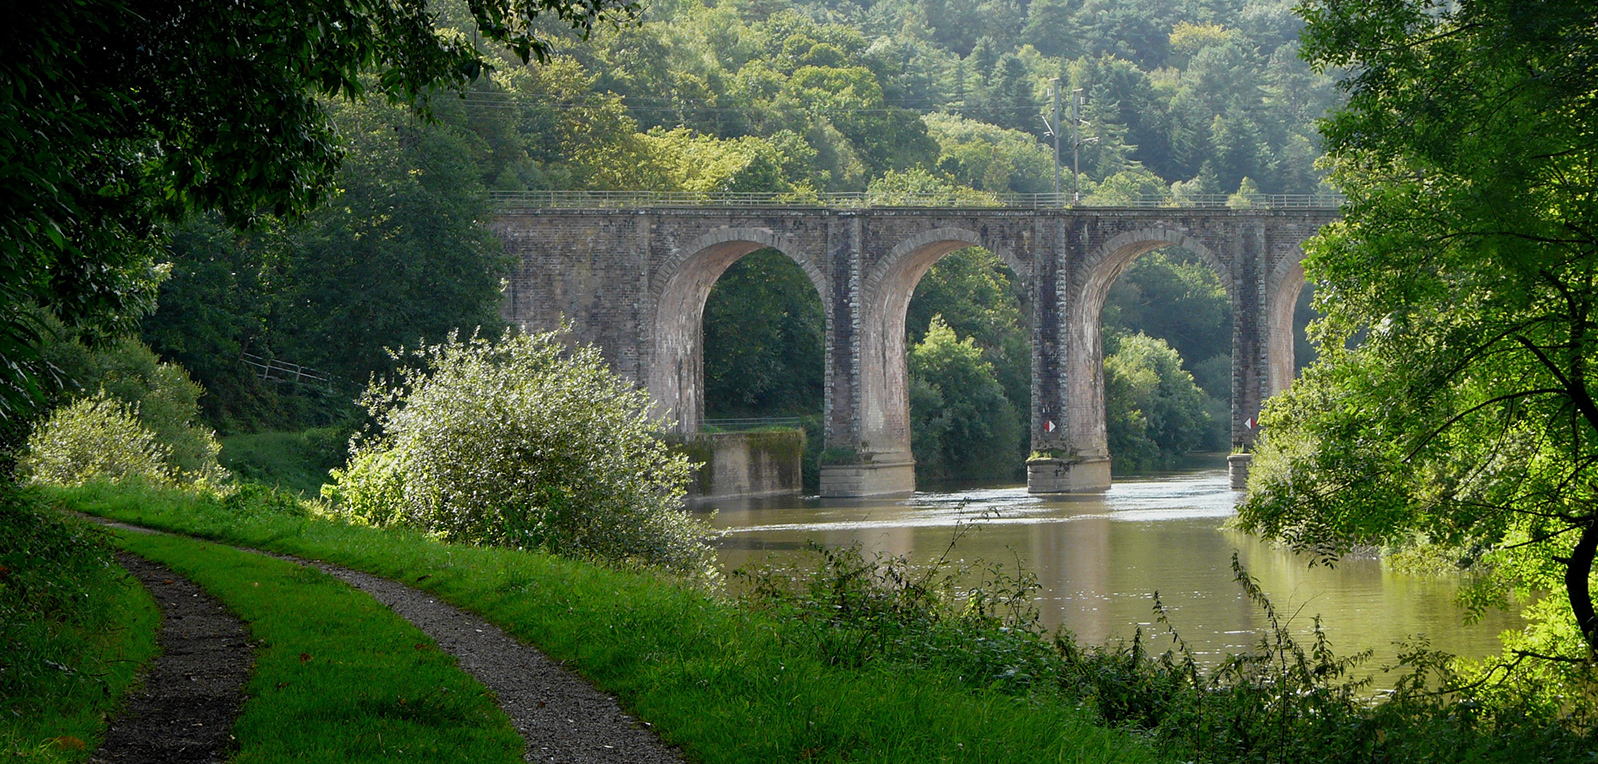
(1237, 469)
(871, 479)
(1067, 475)
(743, 465)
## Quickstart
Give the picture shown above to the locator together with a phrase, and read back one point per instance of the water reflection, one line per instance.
(1102, 557)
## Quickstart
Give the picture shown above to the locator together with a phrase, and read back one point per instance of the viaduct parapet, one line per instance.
(634, 282)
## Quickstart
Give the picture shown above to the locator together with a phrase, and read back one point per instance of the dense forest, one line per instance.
(1178, 99)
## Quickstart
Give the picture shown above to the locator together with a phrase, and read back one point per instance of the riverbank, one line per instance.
(722, 682)
(1100, 558)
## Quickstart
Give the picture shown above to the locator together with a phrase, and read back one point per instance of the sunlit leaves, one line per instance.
(528, 443)
(1463, 277)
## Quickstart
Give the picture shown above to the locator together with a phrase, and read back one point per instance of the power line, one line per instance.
(512, 101)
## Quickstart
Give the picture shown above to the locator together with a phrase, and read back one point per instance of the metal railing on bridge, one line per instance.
(513, 200)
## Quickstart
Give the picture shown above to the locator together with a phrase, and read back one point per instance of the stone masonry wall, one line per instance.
(634, 282)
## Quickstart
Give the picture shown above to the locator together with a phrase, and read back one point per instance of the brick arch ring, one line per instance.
(765, 237)
(1148, 239)
(965, 237)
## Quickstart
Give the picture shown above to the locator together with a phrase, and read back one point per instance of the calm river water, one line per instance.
(1101, 557)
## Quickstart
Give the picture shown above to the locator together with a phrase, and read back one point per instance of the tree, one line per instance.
(1153, 412)
(1467, 267)
(764, 339)
(991, 158)
(964, 427)
(972, 291)
(397, 253)
(1049, 29)
(1173, 295)
(208, 106)
(1009, 100)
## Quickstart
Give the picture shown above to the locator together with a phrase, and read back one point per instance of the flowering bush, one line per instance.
(524, 442)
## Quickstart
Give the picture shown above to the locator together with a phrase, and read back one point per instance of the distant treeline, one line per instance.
(765, 95)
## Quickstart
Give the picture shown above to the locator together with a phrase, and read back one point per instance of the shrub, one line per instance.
(94, 438)
(523, 443)
(163, 397)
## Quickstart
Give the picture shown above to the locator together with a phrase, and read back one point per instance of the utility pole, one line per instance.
(1076, 145)
(1054, 128)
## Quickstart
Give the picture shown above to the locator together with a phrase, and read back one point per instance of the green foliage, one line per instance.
(975, 293)
(881, 612)
(919, 186)
(76, 630)
(962, 426)
(1175, 296)
(161, 396)
(1282, 701)
(94, 438)
(398, 253)
(1463, 415)
(294, 462)
(1153, 411)
(970, 292)
(764, 340)
(524, 443)
(991, 158)
(101, 156)
(1168, 86)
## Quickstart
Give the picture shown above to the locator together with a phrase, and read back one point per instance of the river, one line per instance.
(1100, 558)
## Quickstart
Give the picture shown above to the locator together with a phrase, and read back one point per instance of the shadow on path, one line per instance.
(185, 710)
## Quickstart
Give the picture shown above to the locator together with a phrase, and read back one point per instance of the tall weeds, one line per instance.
(1284, 700)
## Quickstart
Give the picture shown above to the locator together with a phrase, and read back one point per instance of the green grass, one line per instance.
(338, 677)
(74, 627)
(296, 462)
(713, 677)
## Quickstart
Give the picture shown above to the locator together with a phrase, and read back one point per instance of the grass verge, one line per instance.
(75, 628)
(339, 677)
(717, 679)
(296, 462)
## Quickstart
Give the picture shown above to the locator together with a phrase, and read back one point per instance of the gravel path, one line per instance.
(194, 689)
(560, 715)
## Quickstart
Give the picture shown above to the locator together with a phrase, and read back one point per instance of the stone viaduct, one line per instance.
(634, 282)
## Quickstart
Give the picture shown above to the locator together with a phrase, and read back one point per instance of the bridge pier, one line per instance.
(869, 480)
(1051, 475)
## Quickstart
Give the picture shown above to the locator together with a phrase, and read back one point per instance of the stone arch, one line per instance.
(885, 295)
(1282, 290)
(1084, 372)
(678, 292)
